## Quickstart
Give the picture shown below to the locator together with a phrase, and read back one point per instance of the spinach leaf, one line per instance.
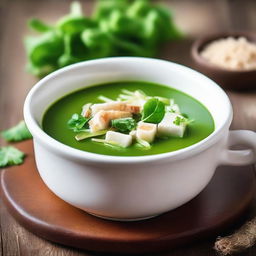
(115, 28)
(153, 111)
(124, 124)
(77, 122)
(39, 26)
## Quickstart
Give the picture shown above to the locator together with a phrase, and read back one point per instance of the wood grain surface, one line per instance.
(195, 17)
(223, 202)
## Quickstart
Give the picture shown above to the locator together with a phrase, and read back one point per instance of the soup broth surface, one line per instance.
(55, 119)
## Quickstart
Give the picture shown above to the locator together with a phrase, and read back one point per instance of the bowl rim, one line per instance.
(93, 158)
(199, 43)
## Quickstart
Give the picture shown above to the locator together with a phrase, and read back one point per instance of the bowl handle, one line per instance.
(240, 157)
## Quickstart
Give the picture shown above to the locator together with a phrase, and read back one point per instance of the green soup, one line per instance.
(55, 119)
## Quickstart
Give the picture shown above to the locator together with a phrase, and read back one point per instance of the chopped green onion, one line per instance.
(144, 144)
(86, 135)
(124, 97)
(108, 143)
(128, 92)
(105, 99)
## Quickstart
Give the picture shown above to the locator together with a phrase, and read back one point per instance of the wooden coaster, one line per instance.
(223, 201)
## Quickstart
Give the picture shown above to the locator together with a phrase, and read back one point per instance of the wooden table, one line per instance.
(195, 17)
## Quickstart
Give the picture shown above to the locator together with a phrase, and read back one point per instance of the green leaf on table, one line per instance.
(17, 133)
(77, 122)
(153, 111)
(10, 156)
(124, 124)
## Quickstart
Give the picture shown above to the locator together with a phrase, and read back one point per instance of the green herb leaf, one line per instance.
(153, 111)
(77, 122)
(180, 120)
(116, 28)
(10, 156)
(39, 25)
(17, 133)
(86, 135)
(124, 124)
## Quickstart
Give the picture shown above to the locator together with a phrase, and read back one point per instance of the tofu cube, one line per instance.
(133, 134)
(146, 131)
(124, 140)
(167, 127)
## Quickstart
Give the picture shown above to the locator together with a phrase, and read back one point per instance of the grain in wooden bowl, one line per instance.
(236, 73)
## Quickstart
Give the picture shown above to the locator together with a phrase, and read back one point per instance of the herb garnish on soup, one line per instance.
(128, 119)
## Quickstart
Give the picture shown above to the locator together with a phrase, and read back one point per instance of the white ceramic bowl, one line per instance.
(132, 188)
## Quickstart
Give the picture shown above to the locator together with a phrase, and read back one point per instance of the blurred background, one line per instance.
(194, 18)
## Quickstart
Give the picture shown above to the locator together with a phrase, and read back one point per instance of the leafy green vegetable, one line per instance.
(77, 122)
(116, 28)
(153, 111)
(74, 22)
(39, 26)
(124, 124)
(86, 135)
(43, 52)
(10, 156)
(17, 133)
(180, 120)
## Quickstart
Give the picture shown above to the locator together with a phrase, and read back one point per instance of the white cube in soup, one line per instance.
(124, 140)
(146, 131)
(133, 134)
(167, 126)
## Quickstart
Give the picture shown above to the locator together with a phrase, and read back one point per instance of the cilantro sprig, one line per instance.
(17, 133)
(10, 156)
(77, 123)
(124, 124)
(181, 120)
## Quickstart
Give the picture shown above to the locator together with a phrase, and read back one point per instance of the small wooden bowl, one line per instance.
(228, 79)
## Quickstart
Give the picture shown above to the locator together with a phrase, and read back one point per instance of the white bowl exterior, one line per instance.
(127, 187)
(122, 192)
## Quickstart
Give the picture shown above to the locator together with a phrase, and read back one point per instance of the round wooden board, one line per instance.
(223, 201)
